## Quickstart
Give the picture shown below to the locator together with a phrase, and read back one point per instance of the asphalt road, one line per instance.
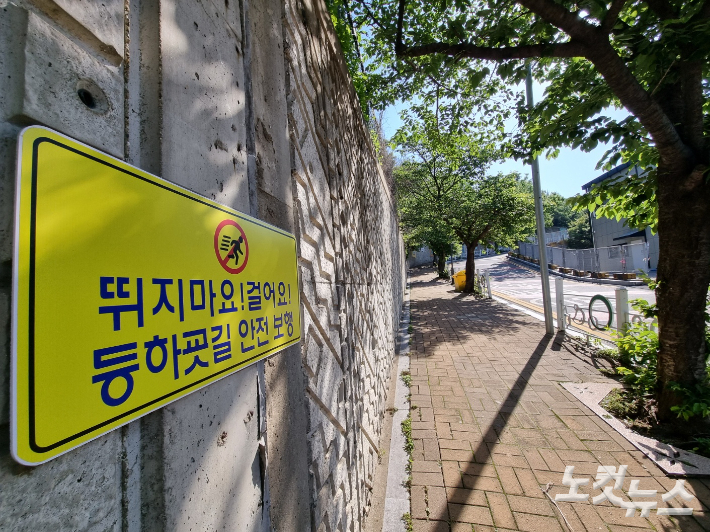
(519, 282)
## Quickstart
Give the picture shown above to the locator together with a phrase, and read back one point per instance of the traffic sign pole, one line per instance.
(540, 222)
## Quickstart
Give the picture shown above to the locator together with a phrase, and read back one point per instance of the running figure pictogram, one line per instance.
(231, 244)
(234, 247)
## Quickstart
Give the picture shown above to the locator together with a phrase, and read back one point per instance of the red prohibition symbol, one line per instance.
(231, 246)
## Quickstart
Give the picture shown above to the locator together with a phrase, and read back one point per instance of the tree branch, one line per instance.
(662, 78)
(620, 79)
(398, 46)
(556, 13)
(416, 150)
(355, 35)
(691, 80)
(371, 15)
(612, 15)
(484, 232)
(377, 23)
(431, 167)
(639, 102)
(567, 21)
(461, 50)
(586, 41)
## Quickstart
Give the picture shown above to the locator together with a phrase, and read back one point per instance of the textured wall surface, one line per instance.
(247, 102)
(351, 268)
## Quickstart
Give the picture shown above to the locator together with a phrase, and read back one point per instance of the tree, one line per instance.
(420, 224)
(489, 210)
(442, 242)
(557, 209)
(580, 232)
(445, 181)
(650, 56)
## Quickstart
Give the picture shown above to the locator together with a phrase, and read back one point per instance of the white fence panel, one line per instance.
(639, 254)
(556, 255)
(613, 259)
(609, 259)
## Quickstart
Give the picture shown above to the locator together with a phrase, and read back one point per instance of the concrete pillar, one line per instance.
(560, 301)
(488, 284)
(283, 408)
(49, 51)
(622, 309)
(176, 110)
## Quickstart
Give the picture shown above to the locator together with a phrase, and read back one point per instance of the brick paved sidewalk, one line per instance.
(492, 426)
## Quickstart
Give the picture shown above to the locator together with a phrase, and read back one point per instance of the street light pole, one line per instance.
(540, 222)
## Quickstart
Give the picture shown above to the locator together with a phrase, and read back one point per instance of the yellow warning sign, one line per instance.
(129, 293)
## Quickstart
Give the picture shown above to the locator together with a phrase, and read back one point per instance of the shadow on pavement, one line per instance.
(457, 316)
(489, 439)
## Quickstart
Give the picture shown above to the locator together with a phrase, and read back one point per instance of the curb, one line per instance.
(614, 282)
(397, 501)
(538, 313)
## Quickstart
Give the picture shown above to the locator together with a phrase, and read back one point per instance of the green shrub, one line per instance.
(696, 401)
(638, 359)
(408, 524)
(702, 446)
(408, 447)
(638, 356)
(608, 353)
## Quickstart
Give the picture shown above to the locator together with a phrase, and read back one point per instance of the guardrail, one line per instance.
(483, 283)
(596, 317)
(599, 314)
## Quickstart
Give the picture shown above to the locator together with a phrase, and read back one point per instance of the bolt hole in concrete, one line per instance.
(92, 96)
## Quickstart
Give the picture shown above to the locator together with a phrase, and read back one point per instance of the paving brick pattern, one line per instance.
(492, 427)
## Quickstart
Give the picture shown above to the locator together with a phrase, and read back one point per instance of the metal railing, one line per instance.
(597, 313)
(482, 283)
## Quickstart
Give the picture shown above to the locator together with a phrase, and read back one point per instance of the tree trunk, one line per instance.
(684, 276)
(470, 267)
(441, 264)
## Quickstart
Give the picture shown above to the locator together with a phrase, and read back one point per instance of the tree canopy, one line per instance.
(491, 209)
(615, 54)
(420, 222)
(651, 57)
(580, 232)
(443, 182)
(558, 212)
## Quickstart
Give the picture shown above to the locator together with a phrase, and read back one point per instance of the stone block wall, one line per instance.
(246, 102)
(351, 264)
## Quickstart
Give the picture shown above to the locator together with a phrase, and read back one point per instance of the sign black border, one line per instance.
(31, 303)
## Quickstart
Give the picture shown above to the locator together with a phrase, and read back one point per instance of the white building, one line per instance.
(420, 257)
(552, 235)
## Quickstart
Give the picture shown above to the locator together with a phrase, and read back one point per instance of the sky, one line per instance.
(565, 175)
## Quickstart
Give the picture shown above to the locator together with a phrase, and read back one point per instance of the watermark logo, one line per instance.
(607, 474)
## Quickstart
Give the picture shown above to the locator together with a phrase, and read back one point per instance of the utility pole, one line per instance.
(540, 222)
